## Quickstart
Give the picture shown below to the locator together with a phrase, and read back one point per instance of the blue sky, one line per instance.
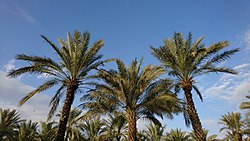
(128, 29)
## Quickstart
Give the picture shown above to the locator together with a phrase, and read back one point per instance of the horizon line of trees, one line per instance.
(134, 91)
(113, 127)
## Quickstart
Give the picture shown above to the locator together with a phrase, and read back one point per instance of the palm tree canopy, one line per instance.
(154, 132)
(76, 60)
(27, 131)
(133, 88)
(93, 129)
(233, 125)
(9, 121)
(177, 135)
(47, 131)
(186, 60)
(115, 127)
(74, 126)
(208, 137)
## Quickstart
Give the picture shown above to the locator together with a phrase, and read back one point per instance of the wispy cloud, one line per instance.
(11, 91)
(10, 65)
(18, 11)
(43, 76)
(231, 88)
(246, 39)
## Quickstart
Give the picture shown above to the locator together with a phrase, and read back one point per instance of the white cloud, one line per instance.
(43, 76)
(10, 65)
(232, 88)
(23, 14)
(12, 91)
(246, 39)
(242, 66)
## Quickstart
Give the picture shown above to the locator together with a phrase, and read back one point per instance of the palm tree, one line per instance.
(184, 61)
(208, 138)
(76, 60)
(93, 129)
(140, 136)
(47, 131)
(246, 105)
(74, 126)
(133, 92)
(27, 131)
(177, 135)
(233, 125)
(154, 132)
(115, 127)
(9, 121)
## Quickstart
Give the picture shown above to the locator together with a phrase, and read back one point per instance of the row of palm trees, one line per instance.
(135, 91)
(111, 128)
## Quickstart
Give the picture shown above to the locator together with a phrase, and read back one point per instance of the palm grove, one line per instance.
(125, 94)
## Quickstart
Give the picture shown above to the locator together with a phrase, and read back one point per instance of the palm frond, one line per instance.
(54, 102)
(198, 92)
(46, 85)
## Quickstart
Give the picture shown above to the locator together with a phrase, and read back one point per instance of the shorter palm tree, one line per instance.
(9, 121)
(27, 131)
(93, 129)
(74, 126)
(154, 132)
(208, 138)
(115, 127)
(48, 131)
(233, 125)
(177, 135)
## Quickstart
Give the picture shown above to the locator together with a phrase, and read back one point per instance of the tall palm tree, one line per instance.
(47, 131)
(115, 127)
(9, 121)
(133, 92)
(246, 105)
(27, 131)
(185, 60)
(154, 132)
(76, 60)
(177, 135)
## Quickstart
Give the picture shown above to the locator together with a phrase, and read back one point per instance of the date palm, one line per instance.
(27, 131)
(74, 126)
(177, 135)
(154, 132)
(185, 60)
(115, 127)
(70, 72)
(47, 131)
(208, 138)
(233, 125)
(9, 121)
(93, 129)
(134, 92)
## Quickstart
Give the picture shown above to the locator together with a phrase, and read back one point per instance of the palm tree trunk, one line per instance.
(71, 88)
(131, 118)
(195, 120)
